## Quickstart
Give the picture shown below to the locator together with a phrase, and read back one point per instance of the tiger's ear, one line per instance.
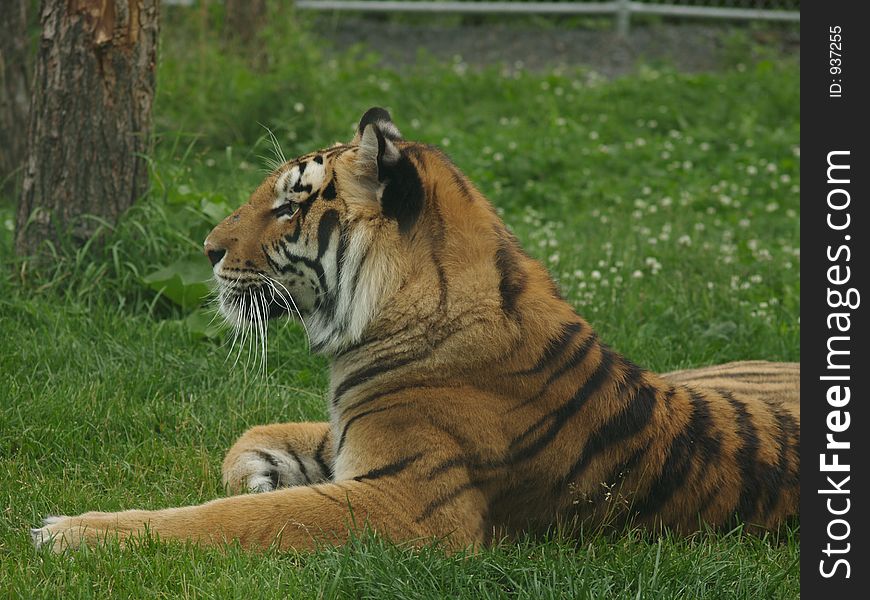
(391, 174)
(380, 117)
(377, 154)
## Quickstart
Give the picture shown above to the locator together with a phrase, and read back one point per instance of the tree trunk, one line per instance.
(14, 85)
(90, 118)
(243, 19)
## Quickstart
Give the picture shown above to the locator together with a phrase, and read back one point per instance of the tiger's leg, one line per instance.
(268, 457)
(301, 517)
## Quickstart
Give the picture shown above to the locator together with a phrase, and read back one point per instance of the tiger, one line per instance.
(468, 402)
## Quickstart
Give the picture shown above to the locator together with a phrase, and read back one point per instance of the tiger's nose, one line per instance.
(214, 254)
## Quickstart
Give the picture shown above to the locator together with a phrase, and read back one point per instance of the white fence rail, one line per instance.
(621, 9)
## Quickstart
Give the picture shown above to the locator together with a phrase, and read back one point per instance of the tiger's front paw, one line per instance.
(57, 533)
(265, 470)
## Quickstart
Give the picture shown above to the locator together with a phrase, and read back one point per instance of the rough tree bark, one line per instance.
(243, 19)
(14, 84)
(90, 118)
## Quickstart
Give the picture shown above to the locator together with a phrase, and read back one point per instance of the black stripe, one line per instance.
(629, 421)
(574, 361)
(513, 279)
(314, 265)
(339, 265)
(555, 348)
(329, 192)
(318, 159)
(328, 497)
(778, 477)
(325, 468)
(559, 417)
(437, 250)
(274, 478)
(363, 375)
(352, 291)
(391, 469)
(434, 505)
(693, 440)
(770, 375)
(747, 461)
(267, 457)
(302, 470)
(626, 467)
(360, 415)
(328, 224)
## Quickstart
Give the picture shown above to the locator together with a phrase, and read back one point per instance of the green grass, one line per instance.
(665, 204)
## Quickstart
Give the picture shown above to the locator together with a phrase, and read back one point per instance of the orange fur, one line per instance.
(467, 399)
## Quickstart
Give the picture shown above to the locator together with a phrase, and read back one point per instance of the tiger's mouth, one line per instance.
(243, 303)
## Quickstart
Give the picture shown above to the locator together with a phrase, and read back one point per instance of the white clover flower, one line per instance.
(684, 240)
(595, 274)
(637, 274)
(299, 107)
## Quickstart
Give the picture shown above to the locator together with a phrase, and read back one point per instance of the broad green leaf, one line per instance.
(185, 281)
(203, 323)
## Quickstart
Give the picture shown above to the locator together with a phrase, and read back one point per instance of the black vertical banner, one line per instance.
(835, 347)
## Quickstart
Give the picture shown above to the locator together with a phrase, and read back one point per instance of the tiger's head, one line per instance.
(373, 230)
